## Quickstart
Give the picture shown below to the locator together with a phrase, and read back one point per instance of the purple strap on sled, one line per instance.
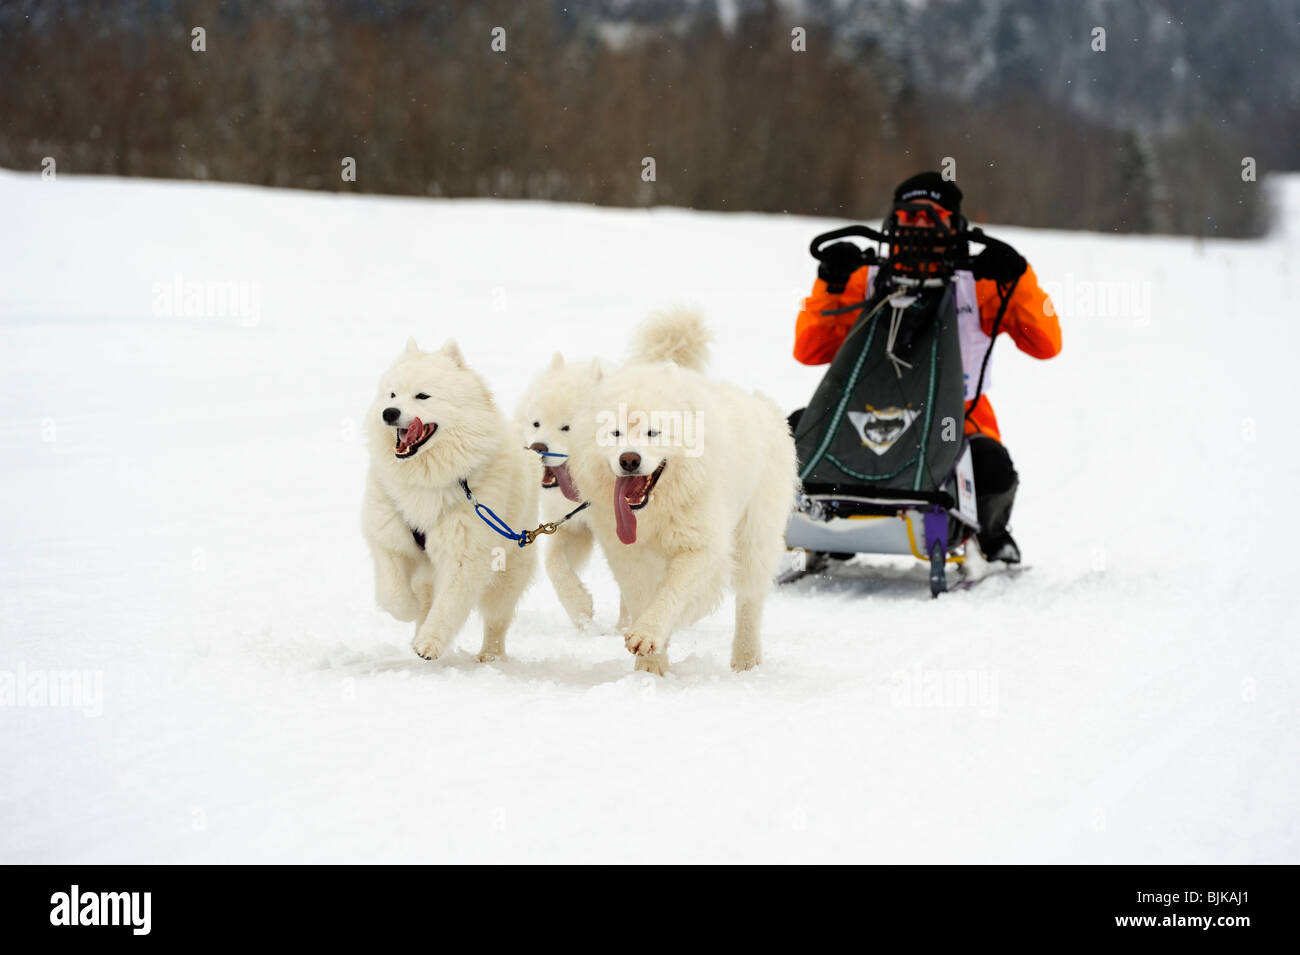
(936, 530)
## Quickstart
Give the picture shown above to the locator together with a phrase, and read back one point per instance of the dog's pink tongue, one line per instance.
(413, 433)
(565, 480)
(624, 519)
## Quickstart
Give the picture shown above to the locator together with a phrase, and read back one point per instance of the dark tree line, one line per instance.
(734, 119)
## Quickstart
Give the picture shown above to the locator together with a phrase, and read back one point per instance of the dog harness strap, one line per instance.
(490, 518)
(547, 454)
(524, 538)
(581, 507)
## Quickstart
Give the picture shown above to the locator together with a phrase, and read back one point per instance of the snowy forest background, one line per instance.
(1147, 136)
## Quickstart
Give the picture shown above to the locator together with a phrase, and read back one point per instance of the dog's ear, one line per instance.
(452, 351)
(411, 347)
(557, 361)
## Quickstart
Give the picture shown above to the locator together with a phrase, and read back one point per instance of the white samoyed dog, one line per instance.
(546, 416)
(691, 481)
(434, 424)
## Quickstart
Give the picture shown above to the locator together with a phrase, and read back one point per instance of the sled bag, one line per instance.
(888, 424)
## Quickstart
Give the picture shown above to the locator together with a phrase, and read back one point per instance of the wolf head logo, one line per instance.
(880, 428)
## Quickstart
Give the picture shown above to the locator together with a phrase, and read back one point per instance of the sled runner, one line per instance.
(883, 458)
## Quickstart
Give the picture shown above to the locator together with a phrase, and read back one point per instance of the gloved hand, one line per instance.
(998, 261)
(838, 262)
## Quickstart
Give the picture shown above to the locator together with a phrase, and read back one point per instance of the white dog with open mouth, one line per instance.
(432, 426)
(691, 483)
(546, 415)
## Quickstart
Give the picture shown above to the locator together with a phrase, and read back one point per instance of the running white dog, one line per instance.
(546, 415)
(433, 425)
(691, 483)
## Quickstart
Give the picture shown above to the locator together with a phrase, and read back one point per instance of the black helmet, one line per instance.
(932, 186)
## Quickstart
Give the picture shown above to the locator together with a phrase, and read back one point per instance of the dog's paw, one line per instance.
(490, 656)
(745, 660)
(656, 665)
(642, 642)
(430, 648)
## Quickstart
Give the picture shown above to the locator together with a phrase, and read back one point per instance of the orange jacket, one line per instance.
(1030, 320)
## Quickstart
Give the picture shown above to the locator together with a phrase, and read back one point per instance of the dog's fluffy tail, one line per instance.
(678, 335)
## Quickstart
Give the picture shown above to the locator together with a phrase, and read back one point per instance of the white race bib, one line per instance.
(974, 343)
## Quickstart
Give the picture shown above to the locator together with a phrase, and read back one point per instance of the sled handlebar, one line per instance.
(862, 231)
(819, 243)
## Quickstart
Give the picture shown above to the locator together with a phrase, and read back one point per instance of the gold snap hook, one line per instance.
(546, 528)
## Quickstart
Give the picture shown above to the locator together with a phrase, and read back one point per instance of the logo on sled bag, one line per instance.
(880, 428)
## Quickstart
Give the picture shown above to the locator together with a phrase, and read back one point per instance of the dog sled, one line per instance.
(884, 463)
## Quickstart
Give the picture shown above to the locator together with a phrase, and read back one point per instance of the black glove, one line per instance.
(998, 262)
(838, 262)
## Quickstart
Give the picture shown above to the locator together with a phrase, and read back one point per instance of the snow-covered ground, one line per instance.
(180, 526)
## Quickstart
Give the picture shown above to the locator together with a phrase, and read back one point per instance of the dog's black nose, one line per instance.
(538, 446)
(629, 461)
(391, 415)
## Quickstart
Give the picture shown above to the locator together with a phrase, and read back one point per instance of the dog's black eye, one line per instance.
(616, 434)
(564, 428)
(392, 394)
(537, 424)
(421, 396)
(652, 434)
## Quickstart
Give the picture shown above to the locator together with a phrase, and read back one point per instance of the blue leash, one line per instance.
(492, 520)
(522, 538)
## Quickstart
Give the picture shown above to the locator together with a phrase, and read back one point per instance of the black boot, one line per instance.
(996, 482)
(1004, 549)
